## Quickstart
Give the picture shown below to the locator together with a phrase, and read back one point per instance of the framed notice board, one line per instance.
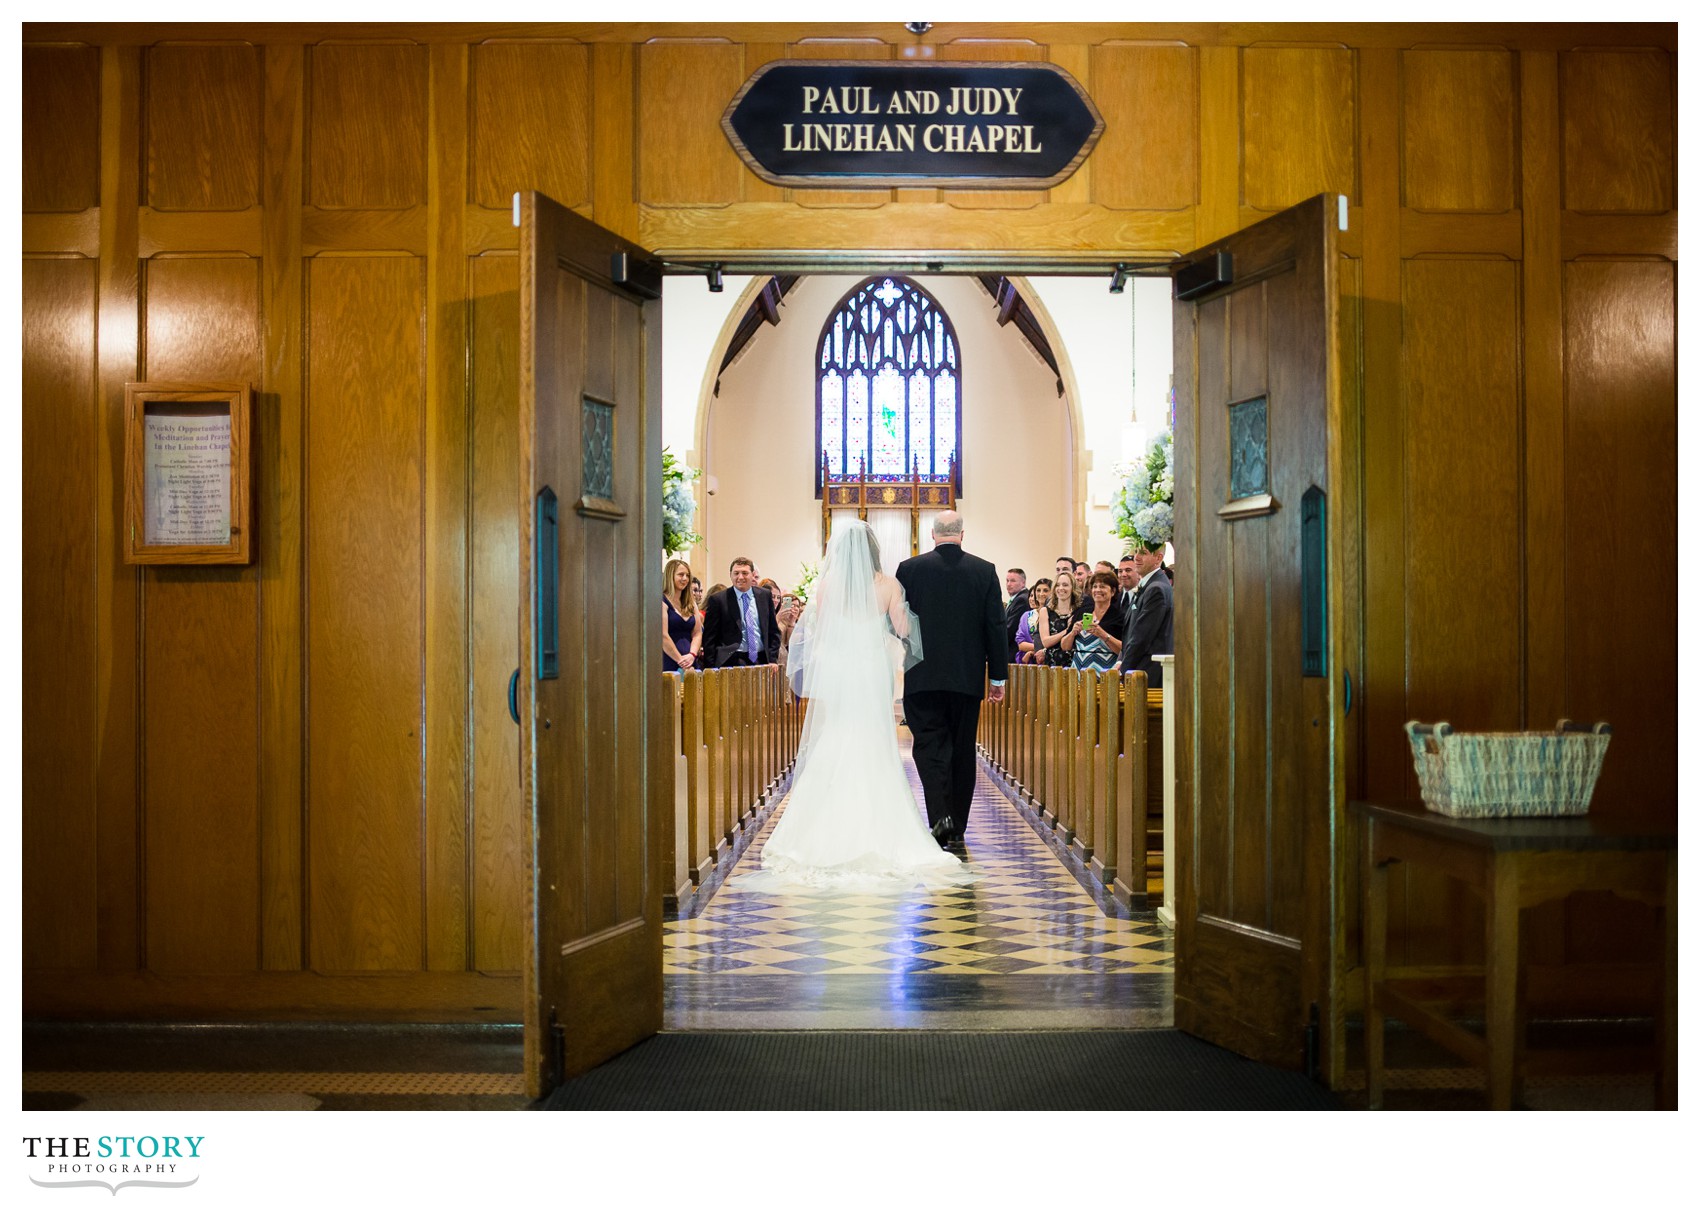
(186, 473)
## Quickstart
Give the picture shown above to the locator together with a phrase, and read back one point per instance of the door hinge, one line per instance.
(1313, 1044)
(557, 1050)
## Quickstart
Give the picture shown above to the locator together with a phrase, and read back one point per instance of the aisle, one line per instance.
(1026, 947)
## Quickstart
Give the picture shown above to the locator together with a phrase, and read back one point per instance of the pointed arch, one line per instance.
(888, 384)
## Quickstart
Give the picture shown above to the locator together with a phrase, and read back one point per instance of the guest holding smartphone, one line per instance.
(1096, 638)
(790, 609)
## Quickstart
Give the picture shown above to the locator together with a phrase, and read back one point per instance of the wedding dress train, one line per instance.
(852, 821)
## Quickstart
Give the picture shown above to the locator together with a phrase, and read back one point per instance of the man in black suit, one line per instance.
(1015, 583)
(738, 627)
(955, 595)
(1151, 627)
(1128, 574)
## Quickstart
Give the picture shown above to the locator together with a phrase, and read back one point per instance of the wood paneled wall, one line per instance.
(292, 788)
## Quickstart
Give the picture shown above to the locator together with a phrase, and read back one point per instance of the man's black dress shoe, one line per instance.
(944, 831)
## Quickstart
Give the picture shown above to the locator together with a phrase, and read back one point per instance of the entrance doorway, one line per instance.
(1284, 286)
(972, 380)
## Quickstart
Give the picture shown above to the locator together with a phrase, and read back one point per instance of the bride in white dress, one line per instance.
(852, 820)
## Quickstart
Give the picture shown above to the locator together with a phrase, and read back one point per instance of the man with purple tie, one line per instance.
(738, 627)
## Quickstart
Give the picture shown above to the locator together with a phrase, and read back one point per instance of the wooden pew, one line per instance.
(1106, 768)
(735, 740)
(1129, 884)
(1077, 747)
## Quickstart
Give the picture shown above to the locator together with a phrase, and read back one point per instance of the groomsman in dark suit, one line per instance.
(1015, 584)
(738, 627)
(955, 595)
(1151, 627)
(1128, 574)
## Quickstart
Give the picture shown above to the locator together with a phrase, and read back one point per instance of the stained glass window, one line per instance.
(832, 419)
(891, 414)
(856, 424)
(920, 413)
(944, 419)
(888, 392)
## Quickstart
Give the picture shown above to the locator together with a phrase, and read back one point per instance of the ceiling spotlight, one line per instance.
(715, 285)
(1118, 279)
(917, 27)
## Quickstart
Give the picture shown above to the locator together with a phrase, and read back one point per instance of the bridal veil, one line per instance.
(852, 819)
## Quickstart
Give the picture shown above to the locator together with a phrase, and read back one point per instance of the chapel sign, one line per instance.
(855, 123)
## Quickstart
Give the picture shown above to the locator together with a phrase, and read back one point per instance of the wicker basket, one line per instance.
(1508, 773)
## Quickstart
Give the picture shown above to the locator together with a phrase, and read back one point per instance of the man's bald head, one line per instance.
(947, 527)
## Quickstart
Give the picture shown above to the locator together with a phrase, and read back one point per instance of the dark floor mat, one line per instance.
(935, 1071)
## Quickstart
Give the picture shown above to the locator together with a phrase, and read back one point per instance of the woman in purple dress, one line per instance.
(681, 625)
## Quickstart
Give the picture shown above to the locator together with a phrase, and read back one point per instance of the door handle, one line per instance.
(547, 568)
(513, 696)
(1313, 582)
(1348, 692)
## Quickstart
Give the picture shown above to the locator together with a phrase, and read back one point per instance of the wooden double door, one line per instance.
(596, 778)
(1265, 612)
(1266, 636)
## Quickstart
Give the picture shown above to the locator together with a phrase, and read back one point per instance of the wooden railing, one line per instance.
(735, 734)
(1083, 749)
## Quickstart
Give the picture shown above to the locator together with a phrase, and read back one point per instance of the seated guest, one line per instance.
(1097, 646)
(1015, 581)
(681, 625)
(1027, 633)
(1058, 620)
(738, 625)
(1069, 598)
(1150, 630)
(1127, 576)
(785, 618)
(790, 610)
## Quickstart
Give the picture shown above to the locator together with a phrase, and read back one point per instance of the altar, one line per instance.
(898, 508)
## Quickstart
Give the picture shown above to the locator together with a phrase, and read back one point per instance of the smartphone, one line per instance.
(788, 601)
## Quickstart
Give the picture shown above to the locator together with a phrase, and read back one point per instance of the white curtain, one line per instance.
(927, 516)
(891, 528)
(839, 517)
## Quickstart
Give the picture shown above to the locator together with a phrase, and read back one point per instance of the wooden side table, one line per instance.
(1512, 863)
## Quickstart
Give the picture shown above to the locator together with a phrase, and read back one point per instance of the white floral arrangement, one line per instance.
(806, 575)
(678, 505)
(1144, 506)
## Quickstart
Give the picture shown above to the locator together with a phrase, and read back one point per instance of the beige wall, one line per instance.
(1017, 438)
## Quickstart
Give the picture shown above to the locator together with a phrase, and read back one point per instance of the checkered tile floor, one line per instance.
(1028, 916)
